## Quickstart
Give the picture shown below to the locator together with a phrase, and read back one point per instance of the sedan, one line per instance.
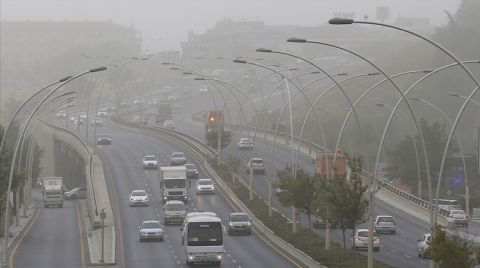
(360, 240)
(79, 192)
(138, 197)
(151, 230)
(192, 171)
(457, 217)
(150, 161)
(177, 159)
(245, 144)
(205, 186)
(169, 124)
(239, 223)
(256, 165)
(104, 140)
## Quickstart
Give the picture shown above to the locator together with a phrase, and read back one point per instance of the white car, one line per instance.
(151, 230)
(205, 186)
(457, 217)
(245, 143)
(169, 124)
(138, 197)
(256, 165)
(79, 192)
(62, 114)
(360, 240)
(174, 212)
(384, 224)
(150, 161)
(102, 113)
(423, 245)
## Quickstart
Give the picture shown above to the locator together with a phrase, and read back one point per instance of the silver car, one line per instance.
(256, 165)
(151, 230)
(205, 186)
(138, 197)
(150, 161)
(245, 144)
(239, 223)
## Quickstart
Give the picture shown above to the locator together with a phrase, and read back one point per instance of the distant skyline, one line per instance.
(171, 20)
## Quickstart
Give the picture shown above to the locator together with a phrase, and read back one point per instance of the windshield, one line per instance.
(386, 219)
(139, 193)
(239, 218)
(190, 166)
(151, 225)
(257, 161)
(53, 192)
(205, 234)
(150, 158)
(175, 183)
(205, 182)
(175, 207)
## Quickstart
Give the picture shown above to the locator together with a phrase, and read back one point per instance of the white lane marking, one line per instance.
(394, 251)
(424, 262)
(407, 256)
(229, 255)
(234, 261)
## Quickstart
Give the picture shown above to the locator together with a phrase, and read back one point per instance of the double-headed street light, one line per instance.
(15, 151)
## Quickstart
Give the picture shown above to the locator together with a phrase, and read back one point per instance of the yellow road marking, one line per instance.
(80, 228)
(12, 254)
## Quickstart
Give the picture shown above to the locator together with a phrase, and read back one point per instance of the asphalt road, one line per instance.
(54, 239)
(124, 158)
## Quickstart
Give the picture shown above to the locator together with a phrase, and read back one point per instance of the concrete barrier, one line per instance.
(97, 195)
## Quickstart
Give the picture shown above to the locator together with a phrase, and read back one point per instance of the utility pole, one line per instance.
(103, 215)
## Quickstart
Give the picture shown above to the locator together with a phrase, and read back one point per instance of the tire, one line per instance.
(376, 249)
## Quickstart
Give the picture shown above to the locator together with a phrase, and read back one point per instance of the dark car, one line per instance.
(239, 223)
(104, 140)
(192, 171)
(177, 159)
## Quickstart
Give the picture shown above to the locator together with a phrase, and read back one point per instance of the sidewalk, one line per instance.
(17, 231)
(94, 240)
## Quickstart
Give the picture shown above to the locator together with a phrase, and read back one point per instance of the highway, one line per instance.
(124, 159)
(54, 239)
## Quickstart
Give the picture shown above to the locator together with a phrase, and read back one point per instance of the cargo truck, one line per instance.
(173, 184)
(52, 191)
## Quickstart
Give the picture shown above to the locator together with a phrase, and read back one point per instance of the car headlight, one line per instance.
(231, 224)
(248, 223)
(196, 172)
(190, 257)
(219, 257)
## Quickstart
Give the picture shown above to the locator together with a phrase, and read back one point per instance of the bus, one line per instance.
(203, 239)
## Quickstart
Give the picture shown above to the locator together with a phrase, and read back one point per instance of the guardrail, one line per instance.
(204, 151)
(318, 148)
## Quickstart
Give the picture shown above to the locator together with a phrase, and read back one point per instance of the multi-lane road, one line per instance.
(57, 231)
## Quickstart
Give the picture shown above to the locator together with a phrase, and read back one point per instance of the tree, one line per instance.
(403, 164)
(345, 199)
(451, 250)
(298, 191)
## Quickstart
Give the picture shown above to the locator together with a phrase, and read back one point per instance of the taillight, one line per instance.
(375, 238)
(357, 238)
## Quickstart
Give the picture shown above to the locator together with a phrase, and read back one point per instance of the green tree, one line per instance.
(345, 199)
(298, 191)
(451, 250)
(403, 163)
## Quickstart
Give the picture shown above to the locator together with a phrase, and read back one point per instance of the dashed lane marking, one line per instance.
(408, 256)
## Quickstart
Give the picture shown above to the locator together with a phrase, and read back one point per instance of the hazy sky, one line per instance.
(172, 19)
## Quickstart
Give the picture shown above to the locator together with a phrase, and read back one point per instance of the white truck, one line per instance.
(203, 239)
(173, 184)
(52, 191)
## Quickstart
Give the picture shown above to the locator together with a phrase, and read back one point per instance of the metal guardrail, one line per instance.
(206, 152)
(383, 184)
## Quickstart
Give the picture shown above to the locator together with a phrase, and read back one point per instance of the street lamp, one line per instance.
(10, 178)
(373, 186)
(404, 117)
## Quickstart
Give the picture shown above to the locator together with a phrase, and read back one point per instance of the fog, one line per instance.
(171, 20)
